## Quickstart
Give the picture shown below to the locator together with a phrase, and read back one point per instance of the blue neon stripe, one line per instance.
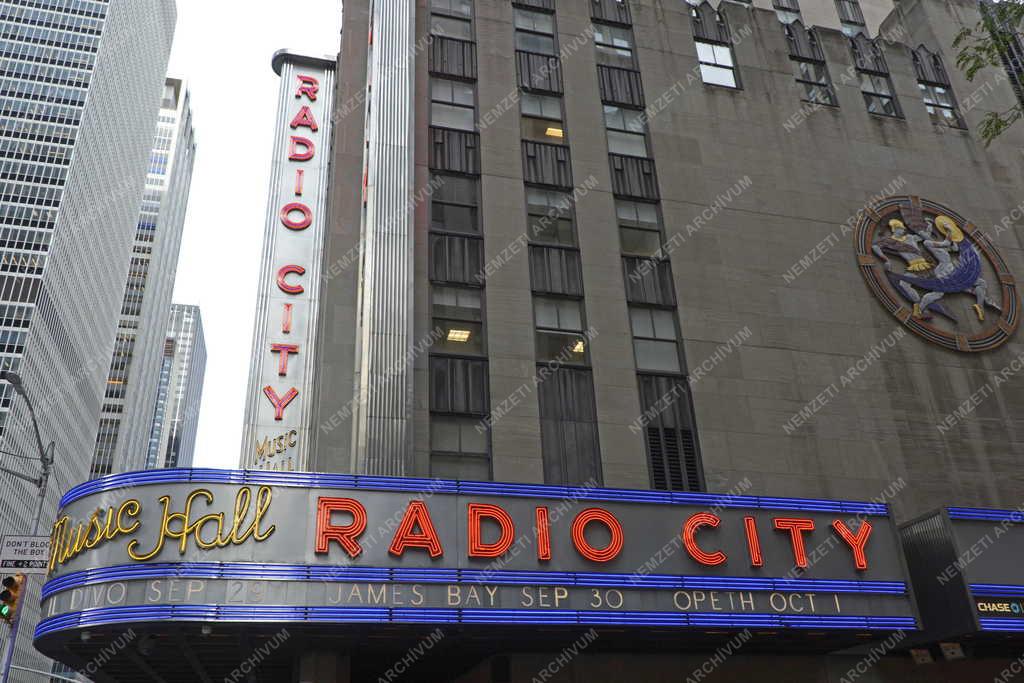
(481, 488)
(224, 613)
(300, 572)
(998, 589)
(986, 514)
(1013, 625)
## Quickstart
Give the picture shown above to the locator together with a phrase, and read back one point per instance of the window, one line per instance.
(541, 106)
(875, 84)
(550, 217)
(625, 131)
(614, 46)
(454, 204)
(559, 328)
(851, 19)
(458, 448)
(813, 77)
(787, 11)
(935, 88)
(639, 228)
(538, 22)
(716, 64)
(878, 95)
(534, 31)
(542, 119)
(654, 339)
(461, 8)
(450, 27)
(451, 104)
(457, 320)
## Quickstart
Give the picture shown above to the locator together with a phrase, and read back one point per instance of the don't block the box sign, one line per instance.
(348, 549)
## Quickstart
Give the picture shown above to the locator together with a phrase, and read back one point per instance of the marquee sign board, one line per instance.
(966, 566)
(345, 549)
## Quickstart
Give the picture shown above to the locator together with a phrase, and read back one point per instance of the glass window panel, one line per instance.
(664, 324)
(717, 75)
(558, 314)
(723, 55)
(533, 42)
(458, 336)
(627, 143)
(647, 214)
(452, 92)
(640, 320)
(456, 189)
(466, 468)
(444, 434)
(541, 105)
(450, 27)
(561, 346)
(705, 52)
(546, 312)
(657, 356)
(543, 130)
(548, 201)
(640, 242)
(449, 116)
(463, 7)
(534, 21)
(618, 57)
(461, 303)
(548, 230)
(453, 218)
(613, 35)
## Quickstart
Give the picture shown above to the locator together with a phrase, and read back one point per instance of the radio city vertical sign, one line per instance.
(278, 410)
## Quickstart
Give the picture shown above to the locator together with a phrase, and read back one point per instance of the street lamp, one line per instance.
(46, 461)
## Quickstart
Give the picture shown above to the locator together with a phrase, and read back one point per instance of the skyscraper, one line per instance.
(80, 87)
(179, 392)
(131, 390)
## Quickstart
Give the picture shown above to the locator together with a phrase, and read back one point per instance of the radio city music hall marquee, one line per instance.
(277, 413)
(346, 549)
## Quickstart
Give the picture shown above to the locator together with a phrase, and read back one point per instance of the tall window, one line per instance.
(451, 19)
(535, 31)
(626, 131)
(654, 339)
(454, 204)
(809, 65)
(458, 320)
(614, 46)
(851, 19)
(639, 228)
(933, 81)
(875, 83)
(452, 104)
(714, 46)
(550, 217)
(542, 118)
(559, 330)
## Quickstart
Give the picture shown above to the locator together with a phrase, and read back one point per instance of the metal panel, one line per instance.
(457, 151)
(555, 270)
(633, 177)
(620, 86)
(452, 57)
(539, 72)
(546, 164)
(648, 281)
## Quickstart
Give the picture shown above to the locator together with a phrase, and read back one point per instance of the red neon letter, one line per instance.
(580, 540)
(300, 181)
(285, 272)
(285, 350)
(348, 535)
(856, 542)
(303, 223)
(753, 542)
(310, 87)
(286, 319)
(294, 154)
(543, 533)
(477, 513)
(280, 402)
(690, 538)
(416, 514)
(305, 119)
(796, 527)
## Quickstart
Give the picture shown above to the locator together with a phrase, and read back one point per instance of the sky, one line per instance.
(222, 48)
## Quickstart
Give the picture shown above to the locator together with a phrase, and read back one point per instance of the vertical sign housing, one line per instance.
(278, 409)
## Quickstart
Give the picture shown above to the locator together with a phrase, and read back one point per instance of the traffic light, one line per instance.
(10, 597)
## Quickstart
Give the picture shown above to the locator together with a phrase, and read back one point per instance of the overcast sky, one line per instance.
(223, 49)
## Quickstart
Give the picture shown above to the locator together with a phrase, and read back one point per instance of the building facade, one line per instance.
(621, 307)
(79, 92)
(179, 392)
(128, 404)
